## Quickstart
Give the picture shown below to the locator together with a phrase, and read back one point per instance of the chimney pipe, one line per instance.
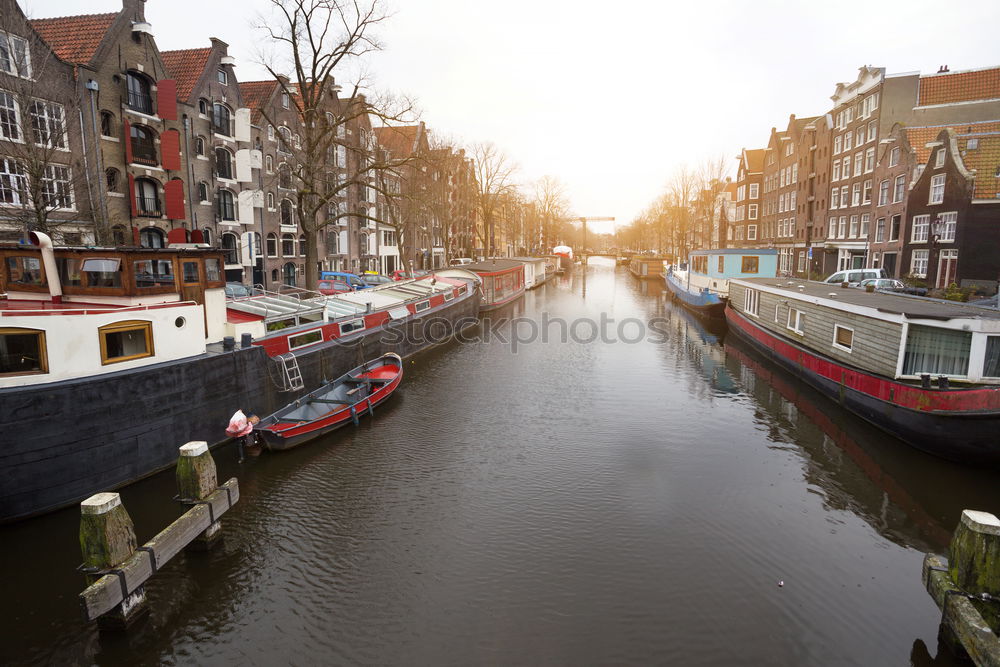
(49, 262)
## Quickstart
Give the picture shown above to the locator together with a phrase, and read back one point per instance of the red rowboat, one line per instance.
(333, 405)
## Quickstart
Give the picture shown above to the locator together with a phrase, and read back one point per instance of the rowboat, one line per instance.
(333, 405)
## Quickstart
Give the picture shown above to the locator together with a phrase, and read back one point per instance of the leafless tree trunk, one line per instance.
(552, 206)
(494, 181)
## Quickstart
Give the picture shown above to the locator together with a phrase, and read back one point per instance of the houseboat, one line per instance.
(702, 283)
(553, 265)
(110, 359)
(502, 280)
(565, 255)
(924, 370)
(535, 274)
(646, 268)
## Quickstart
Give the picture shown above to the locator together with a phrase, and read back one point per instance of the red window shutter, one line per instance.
(131, 196)
(135, 237)
(170, 150)
(166, 99)
(173, 194)
(178, 235)
(128, 141)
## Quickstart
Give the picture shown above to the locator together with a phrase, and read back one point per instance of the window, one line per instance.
(15, 57)
(124, 341)
(836, 145)
(352, 325)
(937, 189)
(57, 191)
(948, 222)
(302, 246)
(842, 227)
(269, 164)
(796, 320)
(112, 180)
(25, 271)
(270, 201)
(865, 223)
(222, 77)
(284, 176)
(388, 238)
(855, 195)
(13, 182)
(284, 100)
(287, 245)
(846, 173)
(843, 337)
(848, 141)
(836, 170)
(151, 237)
(857, 163)
(752, 211)
(883, 193)
(147, 200)
(305, 339)
(47, 124)
(939, 158)
(226, 209)
(835, 198)
(153, 273)
(751, 302)
(898, 189)
(751, 263)
(870, 160)
(199, 146)
(10, 116)
(272, 245)
(918, 263)
(854, 226)
(190, 273)
(754, 190)
(991, 364)
(203, 191)
(832, 232)
(880, 230)
(872, 131)
(139, 97)
(143, 145)
(22, 351)
(230, 250)
(223, 163)
(286, 213)
(866, 197)
(936, 351)
(894, 156)
(920, 227)
(894, 225)
(222, 120)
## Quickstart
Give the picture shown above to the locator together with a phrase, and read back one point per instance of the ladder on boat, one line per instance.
(291, 376)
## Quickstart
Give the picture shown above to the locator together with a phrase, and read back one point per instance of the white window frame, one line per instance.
(950, 221)
(751, 302)
(894, 156)
(923, 255)
(222, 76)
(6, 42)
(49, 179)
(46, 119)
(751, 233)
(939, 158)
(754, 190)
(921, 224)
(17, 126)
(935, 194)
(794, 321)
(845, 348)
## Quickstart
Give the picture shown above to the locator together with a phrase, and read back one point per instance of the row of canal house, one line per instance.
(106, 139)
(901, 173)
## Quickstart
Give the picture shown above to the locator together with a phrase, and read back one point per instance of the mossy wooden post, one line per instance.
(196, 480)
(974, 561)
(107, 539)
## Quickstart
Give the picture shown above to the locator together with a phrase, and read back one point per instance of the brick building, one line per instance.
(743, 231)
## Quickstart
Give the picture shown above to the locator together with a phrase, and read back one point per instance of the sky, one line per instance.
(612, 98)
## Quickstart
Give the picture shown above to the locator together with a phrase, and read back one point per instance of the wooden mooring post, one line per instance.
(116, 570)
(966, 587)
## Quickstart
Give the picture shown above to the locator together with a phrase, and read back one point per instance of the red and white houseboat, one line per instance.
(112, 358)
(924, 370)
(502, 280)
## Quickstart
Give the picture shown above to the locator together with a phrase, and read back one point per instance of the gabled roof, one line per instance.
(256, 94)
(400, 141)
(950, 87)
(74, 38)
(753, 159)
(985, 159)
(186, 66)
(919, 137)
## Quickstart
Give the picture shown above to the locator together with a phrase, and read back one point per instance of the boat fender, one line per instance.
(354, 415)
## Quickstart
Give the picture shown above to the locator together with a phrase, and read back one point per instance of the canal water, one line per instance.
(649, 494)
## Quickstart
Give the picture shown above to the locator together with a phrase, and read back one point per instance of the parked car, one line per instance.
(235, 290)
(401, 274)
(889, 284)
(351, 282)
(854, 276)
(373, 279)
(460, 261)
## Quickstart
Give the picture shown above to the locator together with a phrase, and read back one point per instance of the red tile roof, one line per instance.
(256, 94)
(74, 38)
(186, 66)
(983, 84)
(398, 140)
(985, 159)
(919, 137)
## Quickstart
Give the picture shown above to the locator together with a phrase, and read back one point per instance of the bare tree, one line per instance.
(494, 182)
(551, 207)
(713, 180)
(316, 39)
(45, 184)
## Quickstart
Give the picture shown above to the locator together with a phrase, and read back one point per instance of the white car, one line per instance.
(890, 284)
(460, 261)
(853, 277)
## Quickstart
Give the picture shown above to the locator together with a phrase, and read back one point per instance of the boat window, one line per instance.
(448, 296)
(843, 337)
(25, 271)
(280, 324)
(190, 271)
(796, 320)
(461, 289)
(352, 325)
(423, 305)
(991, 365)
(699, 264)
(304, 339)
(212, 273)
(750, 264)
(936, 351)
(153, 273)
(124, 341)
(102, 271)
(22, 351)
(751, 302)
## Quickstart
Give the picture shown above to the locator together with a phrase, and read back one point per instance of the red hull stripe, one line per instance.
(890, 391)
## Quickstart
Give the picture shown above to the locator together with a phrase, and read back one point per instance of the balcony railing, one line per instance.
(140, 101)
(144, 152)
(148, 207)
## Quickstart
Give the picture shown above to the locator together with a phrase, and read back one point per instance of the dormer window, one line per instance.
(223, 77)
(939, 158)
(284, 100)
(15, 58)
(140, 96)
